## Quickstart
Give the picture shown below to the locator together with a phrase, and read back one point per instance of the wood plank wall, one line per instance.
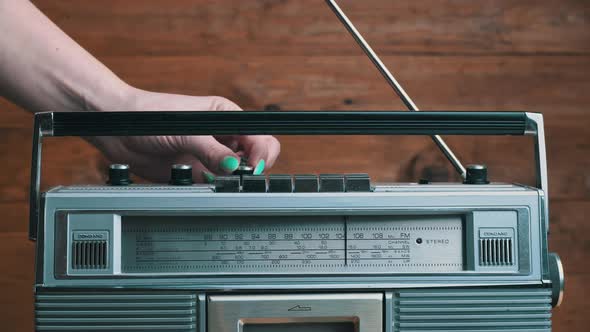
(529, 55)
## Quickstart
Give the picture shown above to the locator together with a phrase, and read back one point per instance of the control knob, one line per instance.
(119, 175)
(181, 175)
(477, 174)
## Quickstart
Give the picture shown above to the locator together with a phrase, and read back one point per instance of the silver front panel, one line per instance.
(362, 312)
(434, 211)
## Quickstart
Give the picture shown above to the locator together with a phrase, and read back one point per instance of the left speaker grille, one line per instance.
(89, 255)
(164, 312)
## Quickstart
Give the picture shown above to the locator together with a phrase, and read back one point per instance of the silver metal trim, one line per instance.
(181, 166)
(535, 126)
(202, 312)
(531, 123)
(116, 245)
(476, 166)
(388, 309)
(43, 126)
(390, 79)
(45, 123)
(119, 166)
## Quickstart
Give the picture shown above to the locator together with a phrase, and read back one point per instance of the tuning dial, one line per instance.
(119, 175)
(181, 175)
(557, 277)
(477, 174)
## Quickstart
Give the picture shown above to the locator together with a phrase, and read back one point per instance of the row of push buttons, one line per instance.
(298, 183)
(245, 181)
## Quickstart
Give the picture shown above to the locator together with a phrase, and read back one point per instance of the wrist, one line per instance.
(111, 97)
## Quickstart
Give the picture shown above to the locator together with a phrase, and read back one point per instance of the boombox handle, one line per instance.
(56, 124)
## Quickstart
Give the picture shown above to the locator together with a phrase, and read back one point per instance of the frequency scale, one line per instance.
(327, 244)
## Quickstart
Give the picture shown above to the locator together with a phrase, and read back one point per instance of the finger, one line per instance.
(261, 151)
(223, 104)
(231, 141)
(215, 156)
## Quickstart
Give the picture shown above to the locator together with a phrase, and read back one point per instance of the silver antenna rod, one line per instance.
(392, 82)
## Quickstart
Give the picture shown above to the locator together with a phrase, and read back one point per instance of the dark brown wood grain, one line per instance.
(531, 55)
(308, 27)
(541, 83)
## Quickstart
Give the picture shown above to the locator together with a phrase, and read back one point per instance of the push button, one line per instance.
(253, 183)
(227, 184)
(358, 182)
(333, 183)
(280, 183)
(305, 183)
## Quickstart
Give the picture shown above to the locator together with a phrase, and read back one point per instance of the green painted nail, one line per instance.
(260, 167)
(229, 164)
(210, 178)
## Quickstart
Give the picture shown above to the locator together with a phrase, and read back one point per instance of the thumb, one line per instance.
(215, 156)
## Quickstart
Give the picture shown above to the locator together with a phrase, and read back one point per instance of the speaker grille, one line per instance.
(89, 255)
(482, 310)
(496, 252)
(155, 311)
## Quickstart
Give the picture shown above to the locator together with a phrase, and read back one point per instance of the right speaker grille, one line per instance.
(482, 310)
(496, 252)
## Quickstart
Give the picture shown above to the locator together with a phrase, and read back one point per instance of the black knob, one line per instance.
(119, 175)
(477, 174)
(244, 168)
(181, 175)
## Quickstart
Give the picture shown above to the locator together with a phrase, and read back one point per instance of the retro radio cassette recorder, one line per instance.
(292, 253)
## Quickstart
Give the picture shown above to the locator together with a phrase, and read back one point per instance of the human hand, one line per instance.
(68, 78)
(152, 156)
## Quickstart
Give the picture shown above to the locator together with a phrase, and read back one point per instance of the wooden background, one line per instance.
(294, 55)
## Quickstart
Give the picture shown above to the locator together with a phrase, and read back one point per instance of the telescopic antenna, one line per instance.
(392, 82)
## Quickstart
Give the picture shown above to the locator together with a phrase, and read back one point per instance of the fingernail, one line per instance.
(260, 167)
(209, 178)
(229, 164)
